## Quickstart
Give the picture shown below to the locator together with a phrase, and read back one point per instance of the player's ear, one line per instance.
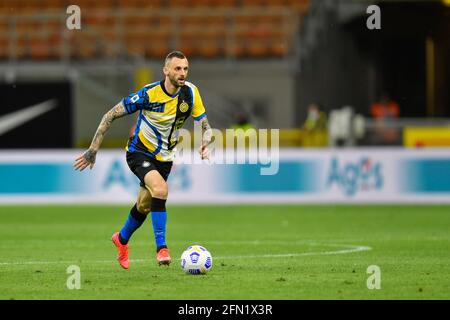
(165, 70)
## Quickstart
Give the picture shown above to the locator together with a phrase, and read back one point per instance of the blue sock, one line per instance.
(134, 221)
(159, 220)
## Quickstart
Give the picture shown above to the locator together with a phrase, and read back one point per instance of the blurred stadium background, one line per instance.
(364, 116)
(302, 51)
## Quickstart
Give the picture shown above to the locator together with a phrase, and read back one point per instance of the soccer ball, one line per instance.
(196, 260)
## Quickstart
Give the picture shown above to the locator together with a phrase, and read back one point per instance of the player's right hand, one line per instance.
(87, 159)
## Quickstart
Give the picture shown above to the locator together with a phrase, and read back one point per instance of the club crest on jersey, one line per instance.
(184, 106)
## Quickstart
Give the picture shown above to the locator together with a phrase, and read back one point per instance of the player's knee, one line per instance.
(160, 191)
(143, 207)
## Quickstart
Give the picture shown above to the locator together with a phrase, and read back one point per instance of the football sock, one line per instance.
(159, 219)
(134, 221)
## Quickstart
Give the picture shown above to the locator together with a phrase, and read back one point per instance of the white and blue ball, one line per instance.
(196, 260)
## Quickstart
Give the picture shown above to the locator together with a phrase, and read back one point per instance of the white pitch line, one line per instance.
(349, 249)
(301, 254)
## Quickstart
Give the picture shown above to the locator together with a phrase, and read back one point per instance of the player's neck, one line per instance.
(170, 88)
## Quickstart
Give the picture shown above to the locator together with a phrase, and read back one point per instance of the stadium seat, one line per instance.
(224, 3)
(39, 48)
(211, 44)
(179, 3)
(158, 45)
(279, 47)
(109, 44)
(84, 46)
(241, 28)
(188, 43)
(4, 47)
(135, 45)
(300, 6)
(54, 4)
(254, 3)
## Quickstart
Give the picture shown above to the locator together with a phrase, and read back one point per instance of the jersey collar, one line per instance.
(165, 91)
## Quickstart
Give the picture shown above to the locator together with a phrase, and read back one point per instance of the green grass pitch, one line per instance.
(259, 252)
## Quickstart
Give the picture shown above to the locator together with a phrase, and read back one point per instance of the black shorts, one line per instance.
(141, 164)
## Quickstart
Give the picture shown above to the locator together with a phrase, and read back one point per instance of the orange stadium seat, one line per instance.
(215, 22)
(161, 23)
(257, 47)
(179, 3)
(158, 44)
(84, 46)
(26, 26)
(279, 47)
(20, 48)
(225, 3)
(145, 4)
(135, 45)
(187, 22)
(4, 28)
(203, 33)
(254, 3)
(137, 23)
(211, 44)
(54, 4)
(300, 6)
(39, 48)
(55, 44)
(237, 45)
(200, 3)
(4, 47)
(278, 3)
(188, 43)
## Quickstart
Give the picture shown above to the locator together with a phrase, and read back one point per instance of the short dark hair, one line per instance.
(174, 54)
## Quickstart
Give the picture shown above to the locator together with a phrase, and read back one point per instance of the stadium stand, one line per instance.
(36, 29)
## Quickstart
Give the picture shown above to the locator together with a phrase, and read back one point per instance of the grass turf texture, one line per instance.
(410, 244)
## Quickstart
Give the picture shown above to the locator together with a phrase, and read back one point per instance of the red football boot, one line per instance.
(122, 251)
(163, 257)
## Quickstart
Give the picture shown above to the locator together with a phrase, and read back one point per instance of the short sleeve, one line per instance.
(198, 110)
(136, 101)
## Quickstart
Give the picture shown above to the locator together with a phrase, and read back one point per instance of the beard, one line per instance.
(174, 82)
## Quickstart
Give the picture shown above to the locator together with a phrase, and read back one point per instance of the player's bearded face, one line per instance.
(176, 80)
(177, 72)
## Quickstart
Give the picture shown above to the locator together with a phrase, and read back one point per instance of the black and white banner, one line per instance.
(35, 115)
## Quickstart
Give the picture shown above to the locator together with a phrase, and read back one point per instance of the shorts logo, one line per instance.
(146, 164)
(184, 106)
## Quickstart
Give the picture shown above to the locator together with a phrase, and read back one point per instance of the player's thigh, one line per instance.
(144, 200)
(156, 184)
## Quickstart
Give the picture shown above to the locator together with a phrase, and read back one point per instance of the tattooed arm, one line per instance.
(206, 138)
(88, 157)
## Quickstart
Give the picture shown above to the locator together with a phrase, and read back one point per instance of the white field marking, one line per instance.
(350, 249)
(347, 249)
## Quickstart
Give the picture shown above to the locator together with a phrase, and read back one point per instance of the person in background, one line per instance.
(242, 122)
(385, 112)
(314, 127)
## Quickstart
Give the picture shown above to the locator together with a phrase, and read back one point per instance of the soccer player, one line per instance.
(163, 108)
